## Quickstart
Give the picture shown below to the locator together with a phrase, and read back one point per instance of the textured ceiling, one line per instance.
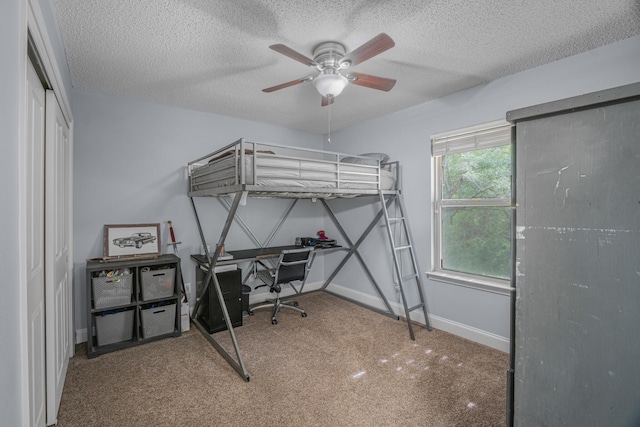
(214, 56)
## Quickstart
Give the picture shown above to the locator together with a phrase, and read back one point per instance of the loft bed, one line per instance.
(245, 169)
(265, 169)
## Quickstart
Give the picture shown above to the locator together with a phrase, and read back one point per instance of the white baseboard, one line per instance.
(459, 329)
(450, 326)
(470, 333)
(81, 335)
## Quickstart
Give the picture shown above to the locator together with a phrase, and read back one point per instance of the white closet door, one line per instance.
(33, 163)
(58, 287)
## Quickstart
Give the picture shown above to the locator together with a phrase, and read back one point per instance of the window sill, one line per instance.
(498, 286)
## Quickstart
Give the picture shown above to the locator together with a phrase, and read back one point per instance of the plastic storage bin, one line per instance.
(158, 320)
(114, 326)
(157, 283)
(112, 291)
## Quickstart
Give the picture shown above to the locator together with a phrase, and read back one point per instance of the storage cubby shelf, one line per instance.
(132, 302)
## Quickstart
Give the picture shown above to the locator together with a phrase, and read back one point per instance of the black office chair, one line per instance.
(293, 264)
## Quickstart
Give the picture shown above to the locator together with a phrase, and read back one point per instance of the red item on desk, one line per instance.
(321, 235)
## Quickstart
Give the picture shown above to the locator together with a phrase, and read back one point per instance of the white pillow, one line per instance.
(359, 161)
(372, 159)
(383, 157)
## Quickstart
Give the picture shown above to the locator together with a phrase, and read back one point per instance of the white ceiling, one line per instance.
(214, 56)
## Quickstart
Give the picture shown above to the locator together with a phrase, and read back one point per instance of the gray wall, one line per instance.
(130, 161)
(405, 136)
(10, 398)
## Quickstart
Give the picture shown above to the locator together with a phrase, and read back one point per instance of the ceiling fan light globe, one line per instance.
(330, 84)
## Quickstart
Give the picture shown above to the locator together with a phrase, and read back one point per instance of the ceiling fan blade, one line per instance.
(373, 47)
(287, 51)
(373, 82)
(287, 84)
(326, 100)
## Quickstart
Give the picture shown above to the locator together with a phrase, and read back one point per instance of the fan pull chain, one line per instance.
(329, 120)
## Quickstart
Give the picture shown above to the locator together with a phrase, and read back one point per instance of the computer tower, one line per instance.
(210, 313)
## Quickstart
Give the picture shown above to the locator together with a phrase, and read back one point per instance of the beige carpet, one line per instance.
(343, 365)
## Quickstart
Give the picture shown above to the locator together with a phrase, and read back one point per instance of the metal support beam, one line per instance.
(230, 360)
(211, 278)
(252, 235)
(353, 250)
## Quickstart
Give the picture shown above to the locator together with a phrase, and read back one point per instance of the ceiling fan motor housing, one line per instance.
(328, 55)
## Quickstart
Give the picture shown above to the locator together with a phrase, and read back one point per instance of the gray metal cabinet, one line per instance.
(132, 302)
(577, 269)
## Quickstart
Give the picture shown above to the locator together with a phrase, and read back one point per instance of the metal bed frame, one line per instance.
(245, 169)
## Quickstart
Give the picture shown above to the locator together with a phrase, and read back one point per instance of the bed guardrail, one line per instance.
(273, 165)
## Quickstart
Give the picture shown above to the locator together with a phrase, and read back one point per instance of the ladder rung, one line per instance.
(416, 306)
(409, 276)
(400, 218)
(399, 248)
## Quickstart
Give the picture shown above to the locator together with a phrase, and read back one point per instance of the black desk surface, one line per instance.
(272, 251)
(248, 254)
(254, 253)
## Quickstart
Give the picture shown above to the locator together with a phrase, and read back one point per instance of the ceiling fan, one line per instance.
(330, 60)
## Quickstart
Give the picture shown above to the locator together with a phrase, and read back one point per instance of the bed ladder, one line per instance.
(401, 247)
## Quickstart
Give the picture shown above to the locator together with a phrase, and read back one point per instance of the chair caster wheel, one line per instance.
(274, 322)
(295, 303)
(304, 314)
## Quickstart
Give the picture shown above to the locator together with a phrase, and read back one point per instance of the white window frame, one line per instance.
(493, 134)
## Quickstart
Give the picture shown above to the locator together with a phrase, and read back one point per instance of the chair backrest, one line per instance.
(293, 264)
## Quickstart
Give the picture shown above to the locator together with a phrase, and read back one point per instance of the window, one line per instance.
(472, 239)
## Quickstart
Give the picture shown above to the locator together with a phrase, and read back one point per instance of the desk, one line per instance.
(254, 254)
(260, 253)
(243, 255)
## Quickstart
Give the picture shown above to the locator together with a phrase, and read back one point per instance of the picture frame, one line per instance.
(122, 240)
